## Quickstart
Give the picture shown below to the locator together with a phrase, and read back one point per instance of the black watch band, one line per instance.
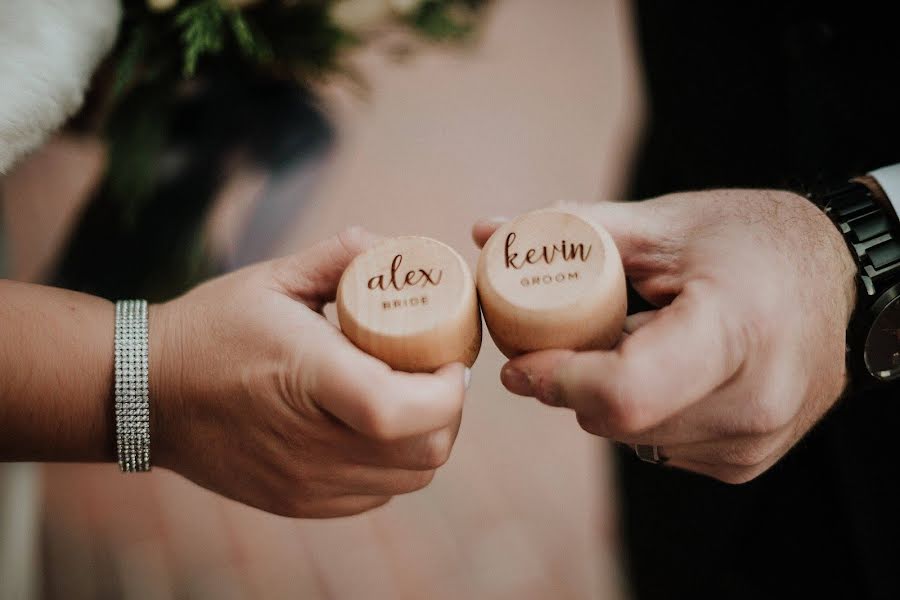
(870, 229)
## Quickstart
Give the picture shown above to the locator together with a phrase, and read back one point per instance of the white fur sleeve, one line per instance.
(48, 50)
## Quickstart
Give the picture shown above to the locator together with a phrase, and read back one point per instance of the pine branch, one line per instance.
(202, 32)
(252, 43)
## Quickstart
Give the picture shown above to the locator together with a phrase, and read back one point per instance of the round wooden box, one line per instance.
(411, 302)
(551, 279)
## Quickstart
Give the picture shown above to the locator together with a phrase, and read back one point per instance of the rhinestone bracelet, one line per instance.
(132, 394)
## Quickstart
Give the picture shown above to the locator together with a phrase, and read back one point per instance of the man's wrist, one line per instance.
(846, 268)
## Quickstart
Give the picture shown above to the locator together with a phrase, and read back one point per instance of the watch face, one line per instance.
(882, 350)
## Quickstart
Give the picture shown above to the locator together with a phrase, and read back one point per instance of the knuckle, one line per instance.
(588, 423)
(301, 510)
(296, 507)
(420, 480)
(378, 503)
(437, 451)
(353, 239)
(747, 455)
(379, 421)
(623, 409)
(724, 473)
(738, 476)
(768, 417)
(289, 509)
(447, 401)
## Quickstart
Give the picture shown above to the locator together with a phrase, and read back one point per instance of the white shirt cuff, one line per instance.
(889, 180)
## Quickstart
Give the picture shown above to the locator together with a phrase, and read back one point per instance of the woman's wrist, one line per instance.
(166, 378)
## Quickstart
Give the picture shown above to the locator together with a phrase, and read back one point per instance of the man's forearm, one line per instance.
(56, 375)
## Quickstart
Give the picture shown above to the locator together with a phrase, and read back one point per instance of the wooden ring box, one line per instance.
(551, 279)
(411, 302)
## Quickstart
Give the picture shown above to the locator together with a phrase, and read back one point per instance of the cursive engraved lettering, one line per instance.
(412, 278)
(547, 254)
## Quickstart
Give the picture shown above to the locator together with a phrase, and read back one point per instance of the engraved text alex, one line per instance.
(398, 280)
(413, 277)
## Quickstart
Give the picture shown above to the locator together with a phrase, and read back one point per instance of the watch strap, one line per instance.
(869, 229)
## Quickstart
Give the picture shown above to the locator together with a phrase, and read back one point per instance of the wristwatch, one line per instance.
(868, 221)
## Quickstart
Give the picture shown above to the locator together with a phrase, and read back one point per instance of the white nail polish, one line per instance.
(467, 377)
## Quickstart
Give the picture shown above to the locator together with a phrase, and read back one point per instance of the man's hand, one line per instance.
(258, 397)
(746, 351)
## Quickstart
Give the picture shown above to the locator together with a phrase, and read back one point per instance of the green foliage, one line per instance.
(435, 19)
(158, 51)
(207, 28)
(296, 37)
(252, 43)
(203, 31)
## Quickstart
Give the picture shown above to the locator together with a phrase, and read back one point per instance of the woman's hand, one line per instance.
(746, 352)
(256, 396)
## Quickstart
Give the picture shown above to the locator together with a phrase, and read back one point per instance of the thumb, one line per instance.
(312, 275)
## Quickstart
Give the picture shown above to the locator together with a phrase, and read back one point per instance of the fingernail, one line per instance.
(516, 381)
(467, 377)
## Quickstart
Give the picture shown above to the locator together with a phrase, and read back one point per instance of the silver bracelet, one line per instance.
(132, 391)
